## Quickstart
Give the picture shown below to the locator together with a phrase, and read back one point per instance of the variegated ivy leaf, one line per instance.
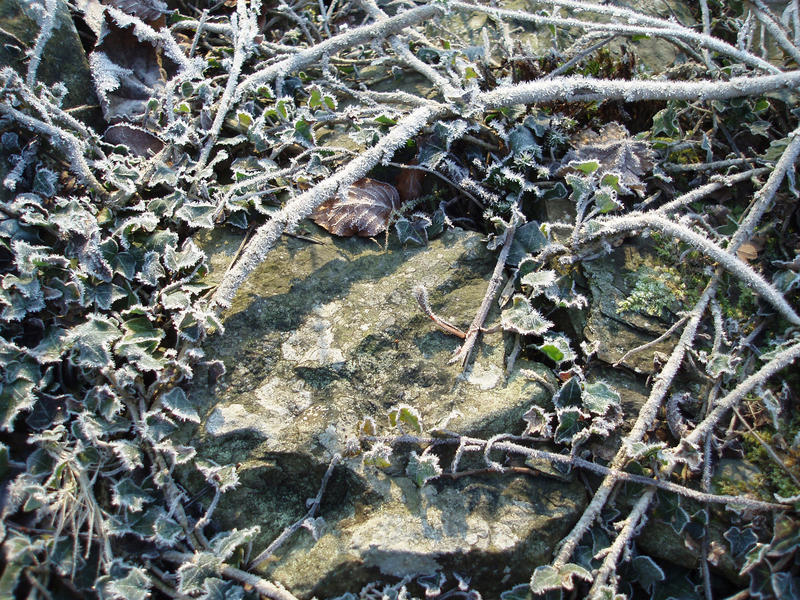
(128, 495)
(556, 347)
(178, 404)
(224, 544)
(423, 468)
(192, 575)
(523, 319)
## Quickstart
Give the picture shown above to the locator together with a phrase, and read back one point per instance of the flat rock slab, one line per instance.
(322, 336)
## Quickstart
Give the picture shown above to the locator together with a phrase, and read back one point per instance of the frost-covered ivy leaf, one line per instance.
(222, 477)
(615, 151)
(408, 232)
(192, 574)
(17, 388)
(151, 271)
(178, 404)
(785, 586)
(538, 420)
(188, 256)
(225, 543)
(134, 586)
(669, 509)
(157, 426)
(100, 296)
(128, 453)
(538, 281)
(547, 577)
(570, 423)
(166, 531)
(524, 319)
(646, 572)
(665, 123)
(179, 454)
(20, 296)
(643, 451)
(520, 139)
(528, 240)
(740, 540)
(721, 364)
(569, 395)
(556, 347)
(379, 456)
(92, 340)
(785, 536)
(127, 494)
(605, 199)
(363, 209)
(423, 468)
(51, 347)
(197, 214)
(406, 417)
(599, 397)
(217, 589)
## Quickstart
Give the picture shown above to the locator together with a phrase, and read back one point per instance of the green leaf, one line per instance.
(222, 477)
(166, 531)
(188, 256)
(528, 239)
(523, 319)
(423, 468)
(587, 166)
(405, 416)
(538, 281)
(665, 123)
(556, 347)
(128, 453)
(197, 214)
(521, 139)
(740, 540)
(217, 589)
(315, 97)
(570, 423)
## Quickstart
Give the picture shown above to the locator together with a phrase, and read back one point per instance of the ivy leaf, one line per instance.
(217, 589)
(556, 347)
(363, 209)
(599, 397)
(129, 495)
(569, 395)
(646, 572)
(134, 586)
(224, 544)
(547, 577)
(378, 456)
(128, 453)
(92, 341)
(423, 468)
(188, 256)
(192, 575)
(538, 281)
(538, 421)
(166, 531)
(570, 423)
(221, 477)
(528, 239)
(740, 540)
(523, 319)
(197, 214)
(404, 415)
(178, 404)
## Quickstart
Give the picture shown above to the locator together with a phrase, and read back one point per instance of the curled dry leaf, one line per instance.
(363, 209)
(616, 152)
(409, 184)
(140, 141)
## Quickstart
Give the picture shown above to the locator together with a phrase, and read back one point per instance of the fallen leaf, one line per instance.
(363, 209)
(616, 152)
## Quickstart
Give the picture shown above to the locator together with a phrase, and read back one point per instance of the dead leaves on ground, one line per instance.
(363, 209)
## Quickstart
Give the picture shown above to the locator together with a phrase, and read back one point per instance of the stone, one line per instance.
(321, 336)
(63, 58)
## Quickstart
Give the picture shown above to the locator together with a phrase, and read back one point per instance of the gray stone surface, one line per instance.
(321, 336)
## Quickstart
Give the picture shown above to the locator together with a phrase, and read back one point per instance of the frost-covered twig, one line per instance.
(763, 14)
(668, 333)
(244, 24)
(304, 204)
(45, 31)
(492, 288)
(587, 89)
(717, 183)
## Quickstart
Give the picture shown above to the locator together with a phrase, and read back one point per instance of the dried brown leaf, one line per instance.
(363, 210)
(616, 152)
